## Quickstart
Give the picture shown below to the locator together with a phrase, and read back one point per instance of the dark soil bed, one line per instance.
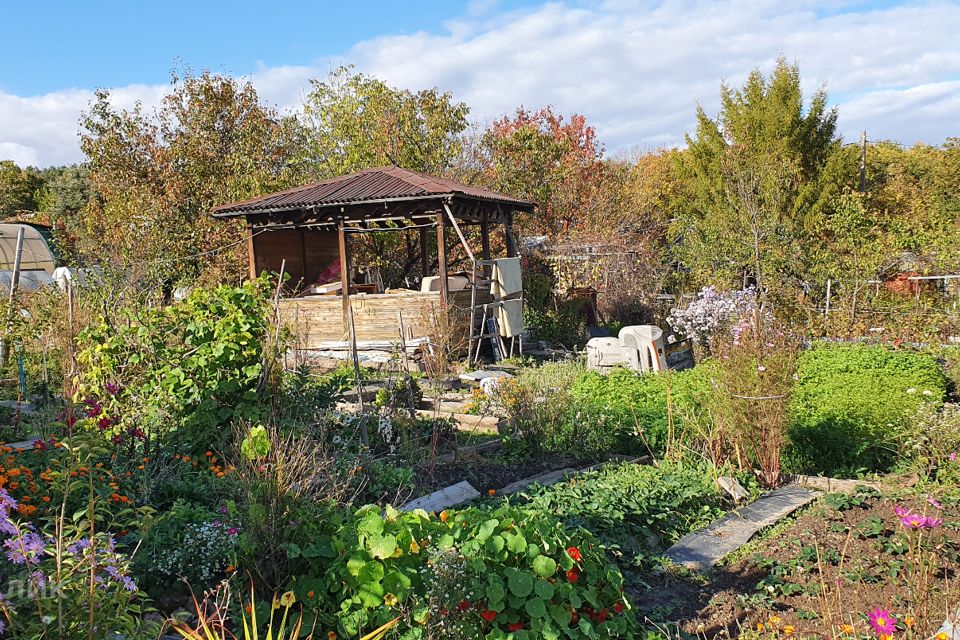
(489, 472)
(838, 560)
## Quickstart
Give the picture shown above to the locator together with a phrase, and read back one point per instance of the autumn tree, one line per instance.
(544, 157)
(355, 121)
(754, 183)
(155, 176)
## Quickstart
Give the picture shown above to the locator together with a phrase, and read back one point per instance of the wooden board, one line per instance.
(319, 319)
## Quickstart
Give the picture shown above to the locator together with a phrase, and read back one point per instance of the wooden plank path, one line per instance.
(702, 549)
(444, 498)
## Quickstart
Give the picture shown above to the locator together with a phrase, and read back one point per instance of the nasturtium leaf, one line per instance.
(544, 589)
(544, 566)
(516, 543)
(495, 543)
(560, 615)
(371, 573)
(521, 584)
(397, 583)
(536, 608)
(356, 563)
(487, 527)
(495, 593)
(383, 546)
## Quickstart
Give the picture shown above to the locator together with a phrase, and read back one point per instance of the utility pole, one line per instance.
(863, 161)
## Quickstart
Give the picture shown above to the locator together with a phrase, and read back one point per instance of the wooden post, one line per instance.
(424, 259)
(442, 256)
(344, 272)
(303, 260)
(508, 231)
(251, 255)
(485, 242)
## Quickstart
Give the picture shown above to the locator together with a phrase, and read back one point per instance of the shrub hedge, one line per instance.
(851, 402)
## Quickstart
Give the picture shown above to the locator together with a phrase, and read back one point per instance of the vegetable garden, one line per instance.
(187, 481)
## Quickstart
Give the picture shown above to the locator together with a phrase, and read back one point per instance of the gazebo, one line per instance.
(306, 232)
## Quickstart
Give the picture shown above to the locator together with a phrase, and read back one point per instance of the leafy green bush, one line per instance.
(467, 574)
(182, 371)
(640, 400)
(636, 511)
(852, 401)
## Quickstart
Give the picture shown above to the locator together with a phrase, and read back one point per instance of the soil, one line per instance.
(489, 472)
(827, 568)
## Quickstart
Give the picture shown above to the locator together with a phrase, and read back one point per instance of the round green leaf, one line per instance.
(521, 584)
(536, 608)
(544, 589)
(544, 566)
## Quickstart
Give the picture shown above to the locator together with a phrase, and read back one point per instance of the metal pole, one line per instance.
(14, 283)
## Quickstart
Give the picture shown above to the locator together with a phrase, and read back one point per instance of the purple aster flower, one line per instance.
(233, 531)
(111, 388)
(39, 579)
(129, 584)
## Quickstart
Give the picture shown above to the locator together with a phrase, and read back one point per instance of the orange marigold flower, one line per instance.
(14, 485)
(209, 453)
(13, 472)
(492, 492)
(45, 498)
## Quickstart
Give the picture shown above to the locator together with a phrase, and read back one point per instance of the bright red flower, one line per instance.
(464, 605)
(488, 615)
(515, 626)
(618, 607)
(573, 575)
(574, 553)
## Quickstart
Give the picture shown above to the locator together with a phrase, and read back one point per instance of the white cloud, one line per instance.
(636, 69)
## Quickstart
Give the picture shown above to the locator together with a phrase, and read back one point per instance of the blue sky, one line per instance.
(637, 69)
(99, 43)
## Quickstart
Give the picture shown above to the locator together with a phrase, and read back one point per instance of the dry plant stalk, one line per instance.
(757, 364)
(449, 337)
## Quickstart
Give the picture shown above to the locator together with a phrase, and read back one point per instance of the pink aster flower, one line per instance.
(953, 456)
(934, 502)
(882, 621)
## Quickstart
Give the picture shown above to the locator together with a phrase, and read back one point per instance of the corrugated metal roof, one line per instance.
(380, 183)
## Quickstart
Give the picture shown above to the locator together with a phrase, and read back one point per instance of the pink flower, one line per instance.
(953, 456)
(233, 531)
(912, 520)
(934, 502)
(882, 621)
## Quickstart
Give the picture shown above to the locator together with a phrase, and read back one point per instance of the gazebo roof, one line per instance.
(371, 191)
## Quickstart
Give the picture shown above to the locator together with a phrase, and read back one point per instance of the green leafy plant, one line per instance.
(852, 402)
(471, 573)
(256, 445)
(637, 511)
(179, 372)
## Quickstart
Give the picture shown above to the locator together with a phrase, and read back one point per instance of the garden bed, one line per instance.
(829, 566)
